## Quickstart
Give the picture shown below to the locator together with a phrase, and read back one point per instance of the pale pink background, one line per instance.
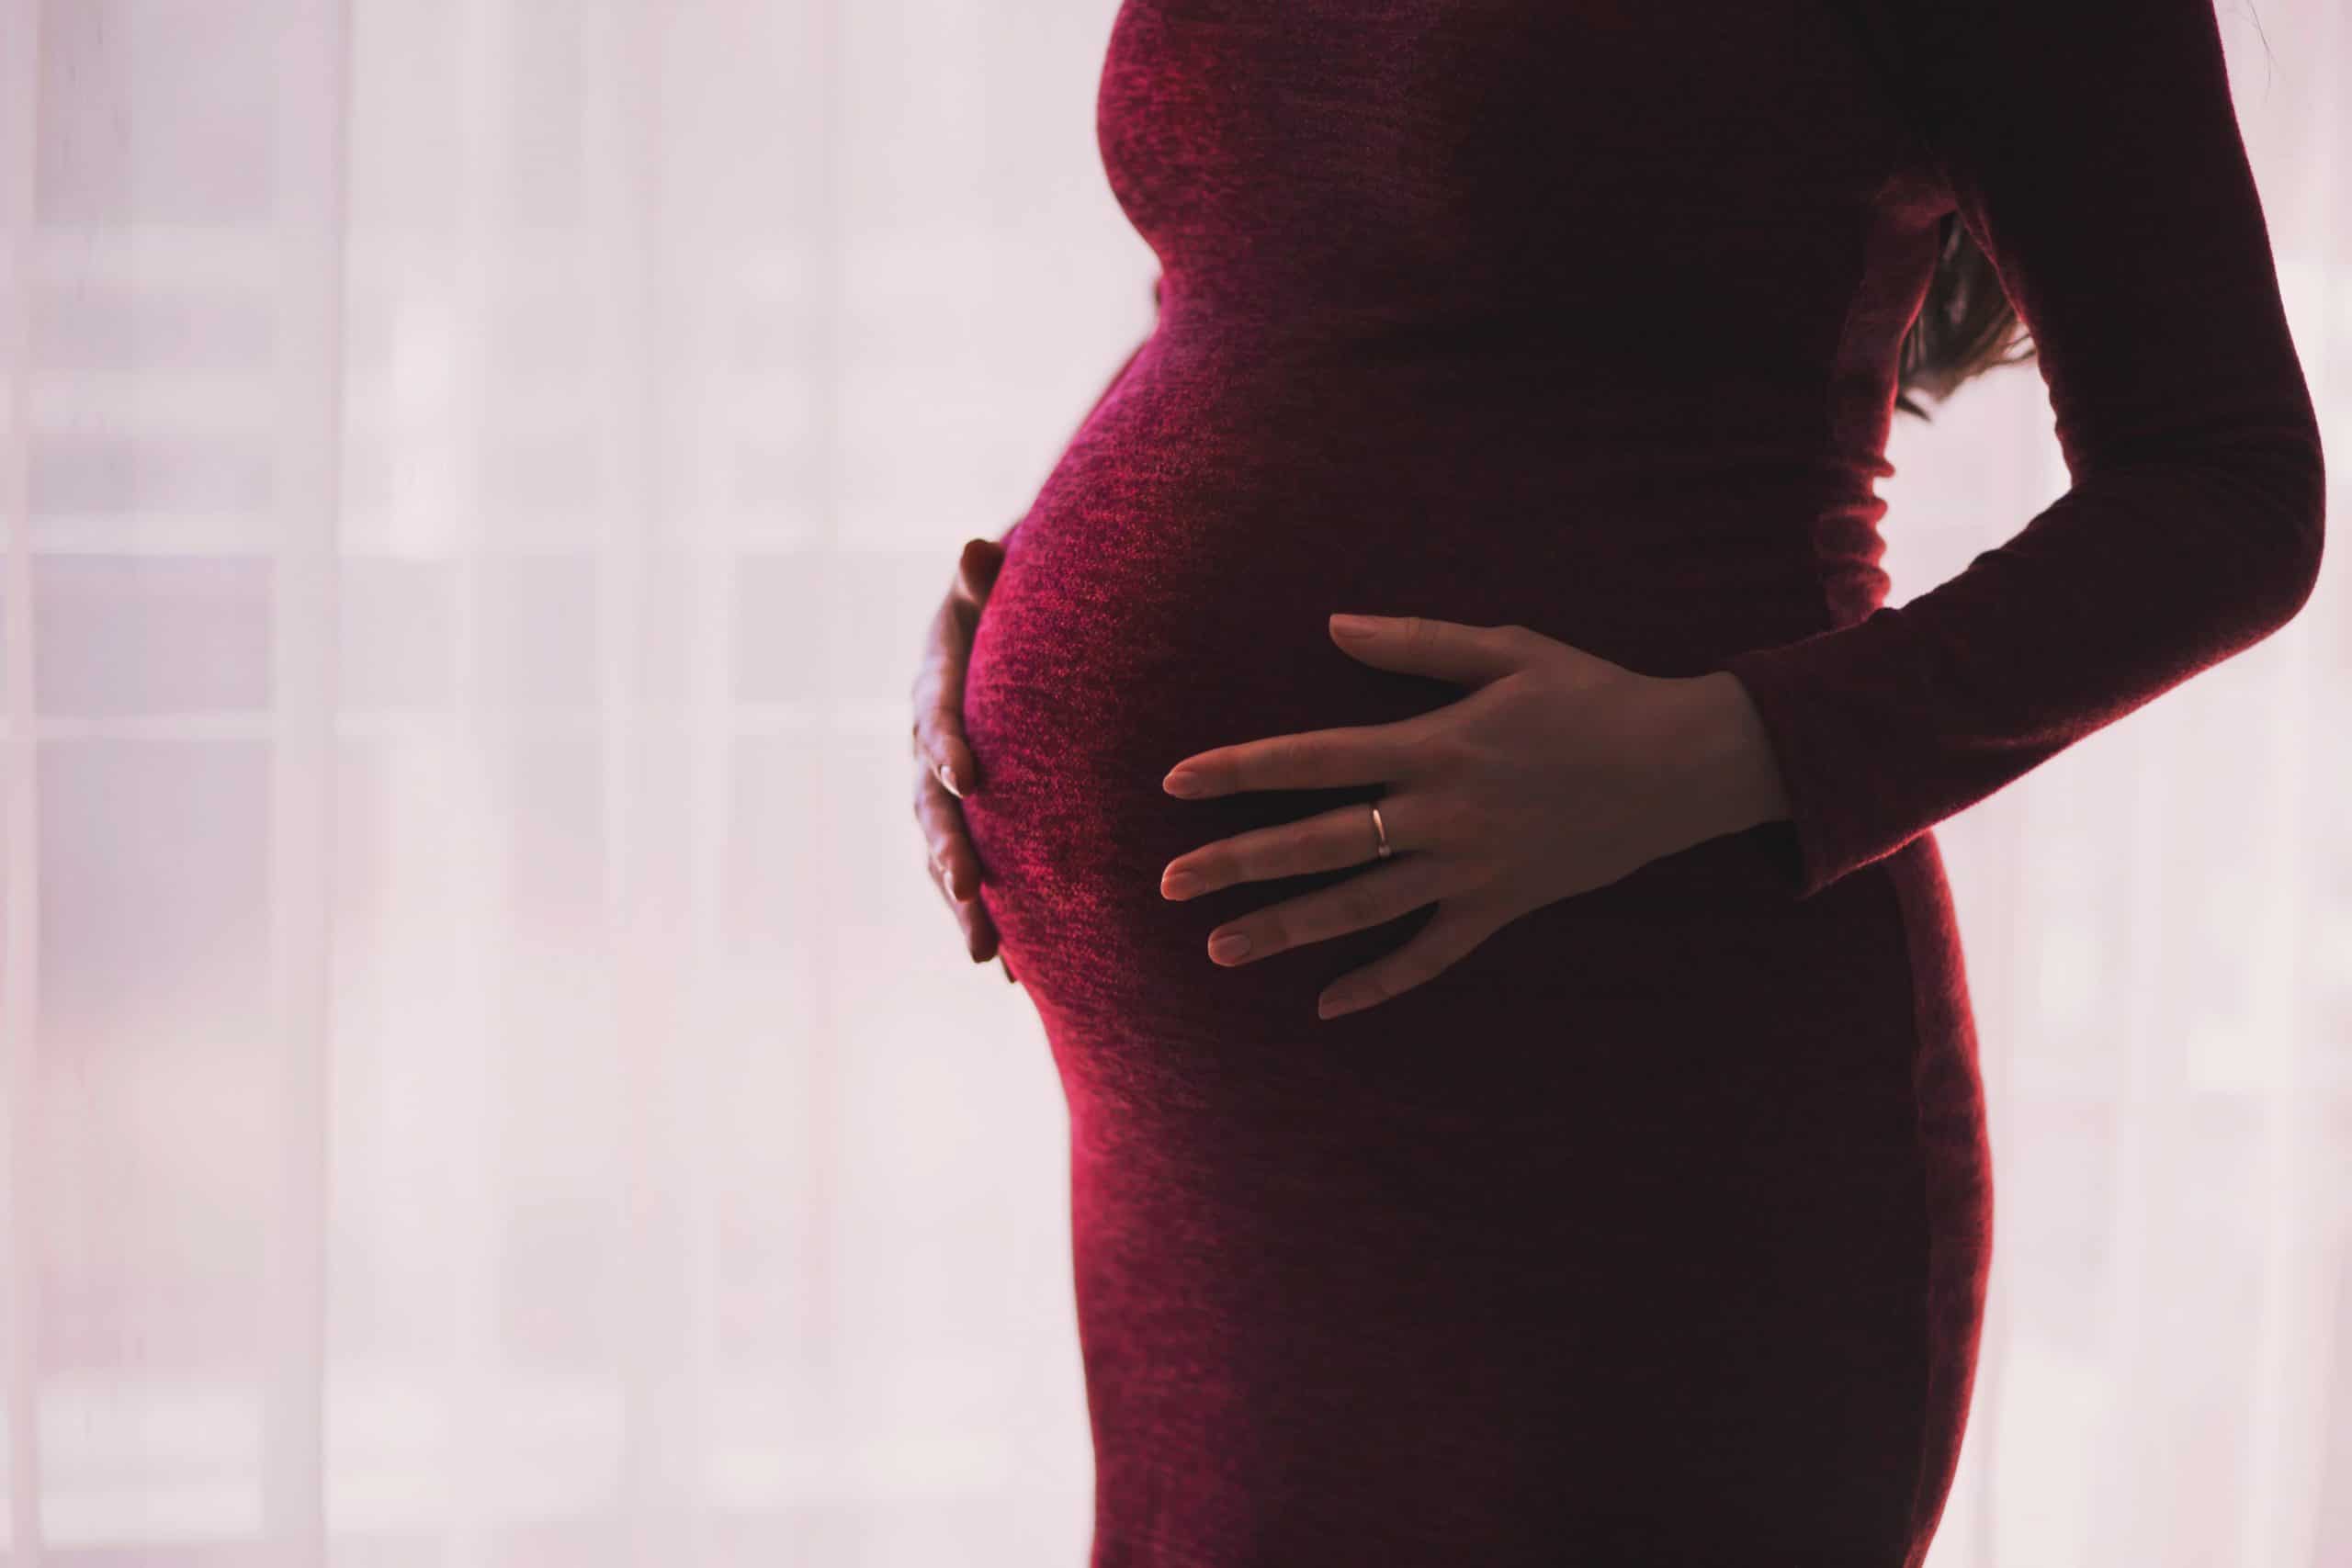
(486, 1079)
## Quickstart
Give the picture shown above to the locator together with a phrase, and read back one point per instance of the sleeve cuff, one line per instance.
(1842, 810)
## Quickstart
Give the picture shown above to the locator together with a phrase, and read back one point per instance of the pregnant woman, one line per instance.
(1438, 758)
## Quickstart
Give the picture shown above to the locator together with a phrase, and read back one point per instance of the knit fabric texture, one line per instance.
(1655, 1230)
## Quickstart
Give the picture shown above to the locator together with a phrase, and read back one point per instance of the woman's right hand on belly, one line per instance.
(943, 767)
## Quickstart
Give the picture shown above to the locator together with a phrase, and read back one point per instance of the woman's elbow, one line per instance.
(2268, 490)
(2296, 495)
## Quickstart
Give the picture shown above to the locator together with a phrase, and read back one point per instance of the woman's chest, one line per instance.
(1478, 127)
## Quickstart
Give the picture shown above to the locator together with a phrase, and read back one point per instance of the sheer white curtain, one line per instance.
(487, 1079)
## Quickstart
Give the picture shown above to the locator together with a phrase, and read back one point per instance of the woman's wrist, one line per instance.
(1720, 757)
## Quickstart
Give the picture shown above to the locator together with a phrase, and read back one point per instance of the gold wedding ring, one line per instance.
(1380, 828)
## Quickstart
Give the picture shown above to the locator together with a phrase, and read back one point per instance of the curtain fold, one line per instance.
(487, 1079)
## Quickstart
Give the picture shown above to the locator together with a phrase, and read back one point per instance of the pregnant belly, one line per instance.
(1168, 593)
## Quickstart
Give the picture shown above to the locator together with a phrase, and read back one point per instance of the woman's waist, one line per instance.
(1240, 590)
(1510, 411)
(1253, 515)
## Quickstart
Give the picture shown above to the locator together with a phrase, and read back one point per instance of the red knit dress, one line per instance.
(1654, 1233)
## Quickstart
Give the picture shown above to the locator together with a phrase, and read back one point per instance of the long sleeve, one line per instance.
(1100, 398)
(2094, 152)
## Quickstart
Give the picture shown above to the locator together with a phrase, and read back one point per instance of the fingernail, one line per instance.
(1228, 946)
(1182, 784)
(1331, 1005)
(1180, 885)
(1354, 626)
(947, 777)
